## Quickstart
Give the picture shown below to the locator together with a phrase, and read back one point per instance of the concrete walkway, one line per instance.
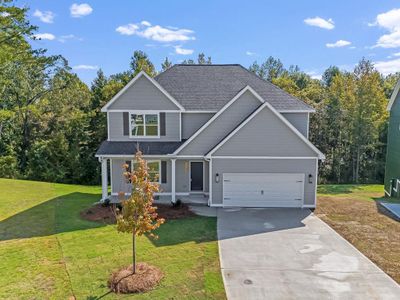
(292, 254)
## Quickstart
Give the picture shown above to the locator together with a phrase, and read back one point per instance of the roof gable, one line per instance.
(269, 128)
(394, 96)
(143, 93)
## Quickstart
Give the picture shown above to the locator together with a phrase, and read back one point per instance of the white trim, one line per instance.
(104, 179)
(387, 193)
(264, 157)
(108, 126)
(111, 176)
(130, 83)
(144, 113)
(173, 180)
(190, 178)
(394, 96)
(282, 111)
(200, 111)
(282, 118)
(247, 88)
(210, 181)
(216, 205)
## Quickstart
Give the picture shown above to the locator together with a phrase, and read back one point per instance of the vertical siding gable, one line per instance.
(265, 135)
(222, 125)
(143, 95)
(299, 121)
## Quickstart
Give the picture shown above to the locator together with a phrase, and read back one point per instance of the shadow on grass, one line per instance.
(338, 188)
(56, 215)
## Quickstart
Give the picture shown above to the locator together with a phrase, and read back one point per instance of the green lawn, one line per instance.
(48, 252)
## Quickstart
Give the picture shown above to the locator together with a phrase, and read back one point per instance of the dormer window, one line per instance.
(144, 125)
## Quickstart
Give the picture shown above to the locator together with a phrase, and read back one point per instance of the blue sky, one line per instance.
(311, 34)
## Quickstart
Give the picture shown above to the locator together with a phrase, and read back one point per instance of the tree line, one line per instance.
(51, 124)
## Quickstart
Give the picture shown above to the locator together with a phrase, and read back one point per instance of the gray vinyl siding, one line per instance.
(172, 124)
(298, 120)
(304, 166)
(265, 135)
(191, 122)
(143, 95)
(222, 125)
(118, 183)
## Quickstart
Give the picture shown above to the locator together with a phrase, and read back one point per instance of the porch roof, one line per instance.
(130, 148)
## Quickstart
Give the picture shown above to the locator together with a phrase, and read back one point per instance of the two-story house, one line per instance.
(214, 130)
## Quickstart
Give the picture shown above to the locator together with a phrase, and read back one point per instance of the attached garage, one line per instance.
(263, 189)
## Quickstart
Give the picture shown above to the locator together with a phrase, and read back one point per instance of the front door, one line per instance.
(196, 176)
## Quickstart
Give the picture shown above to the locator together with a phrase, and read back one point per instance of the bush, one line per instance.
(8, 166)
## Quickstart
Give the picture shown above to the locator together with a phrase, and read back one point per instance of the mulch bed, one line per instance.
(145, 279)
(369, 228)
(103, 214)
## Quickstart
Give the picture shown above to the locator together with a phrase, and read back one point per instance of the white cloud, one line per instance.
(44, 16)
(314, 75)
(396, 54)
(85, 67)
(338, 44)
(45, 36)
(320, 22)
(249, 53)
(80, 10)
(128, 29)
(156, 32)
(391, 22)
(64, 38)
(388, 67)
(182, 51)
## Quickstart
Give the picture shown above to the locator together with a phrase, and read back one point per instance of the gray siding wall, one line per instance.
(222, 125)
(306, 166)
(118, 183)
(265, 135)
(143, 95)
(298, 120)
(172, 124)
(191, 122)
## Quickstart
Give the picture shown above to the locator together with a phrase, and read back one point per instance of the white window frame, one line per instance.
(151, 161)
(144, 113)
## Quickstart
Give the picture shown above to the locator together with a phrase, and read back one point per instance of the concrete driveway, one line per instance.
(292, 254)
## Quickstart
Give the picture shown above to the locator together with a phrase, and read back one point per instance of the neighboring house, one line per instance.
(214, 130)
(392, 171)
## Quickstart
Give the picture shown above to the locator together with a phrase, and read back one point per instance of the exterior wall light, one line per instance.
(216, 177)
(309, 178)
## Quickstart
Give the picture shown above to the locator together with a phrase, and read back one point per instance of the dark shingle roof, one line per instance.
(210, 87)
(129, 148)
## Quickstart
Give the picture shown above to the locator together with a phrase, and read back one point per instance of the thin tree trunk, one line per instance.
(134, 252)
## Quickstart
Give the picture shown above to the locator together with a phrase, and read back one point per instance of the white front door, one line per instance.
(263, 189)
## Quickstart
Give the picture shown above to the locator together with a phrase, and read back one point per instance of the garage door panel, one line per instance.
(263, 189)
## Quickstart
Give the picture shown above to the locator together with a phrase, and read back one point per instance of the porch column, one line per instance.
(104, 179)
(173, 184)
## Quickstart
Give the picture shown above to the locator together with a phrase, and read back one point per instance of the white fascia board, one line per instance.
(130, 83)
(282, 118)
(201, 129)
(394, 96)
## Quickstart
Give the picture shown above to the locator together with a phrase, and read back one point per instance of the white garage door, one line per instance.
(263, 189)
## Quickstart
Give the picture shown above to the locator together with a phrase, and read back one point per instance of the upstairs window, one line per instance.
(144, 125)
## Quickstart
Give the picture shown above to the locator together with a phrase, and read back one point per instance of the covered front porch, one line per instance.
(181, 179)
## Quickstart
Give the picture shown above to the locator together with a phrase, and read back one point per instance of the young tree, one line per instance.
(138, 215)
(166, 64)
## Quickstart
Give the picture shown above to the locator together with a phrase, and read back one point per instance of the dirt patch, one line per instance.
(99, 213)
(145, 279)
(367, 227)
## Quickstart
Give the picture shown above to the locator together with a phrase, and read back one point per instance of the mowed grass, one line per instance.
(354, 212)
(48, 252)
